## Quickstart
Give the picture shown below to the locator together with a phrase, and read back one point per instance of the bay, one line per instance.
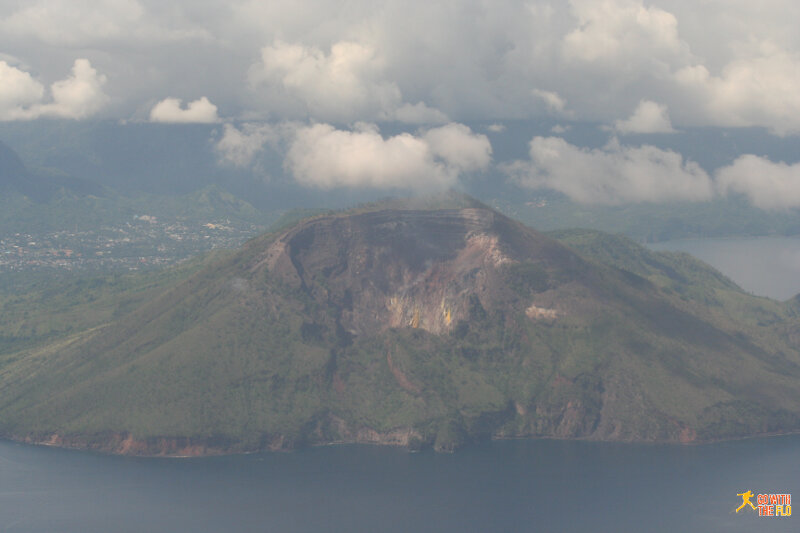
(525, 486)
(764, 266)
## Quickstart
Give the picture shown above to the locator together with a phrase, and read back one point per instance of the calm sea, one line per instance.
(765, 266)
(539, 485)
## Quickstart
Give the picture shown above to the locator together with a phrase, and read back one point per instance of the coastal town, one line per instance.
(144, 241)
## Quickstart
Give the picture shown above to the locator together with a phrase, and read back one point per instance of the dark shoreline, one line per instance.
(100, 449)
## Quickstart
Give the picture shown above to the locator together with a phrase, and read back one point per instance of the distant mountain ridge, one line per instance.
(417, 324)
(15, 178)
(143, 158)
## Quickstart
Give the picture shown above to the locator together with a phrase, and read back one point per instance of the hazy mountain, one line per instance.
(416, 324)
(160, 159)
(15, 178)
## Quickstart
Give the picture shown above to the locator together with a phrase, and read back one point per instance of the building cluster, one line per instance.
(145, 241)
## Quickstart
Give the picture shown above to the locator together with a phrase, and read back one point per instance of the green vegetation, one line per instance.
(293, 216)
(38, 308)
(599, 339)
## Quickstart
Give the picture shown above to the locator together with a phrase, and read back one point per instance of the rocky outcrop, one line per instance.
(127, 444)
(394, 269)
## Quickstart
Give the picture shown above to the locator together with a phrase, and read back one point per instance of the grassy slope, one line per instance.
(40, 308)
(760, 361)
(665, 346)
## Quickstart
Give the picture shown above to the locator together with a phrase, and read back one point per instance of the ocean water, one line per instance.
(764, 266)
(503, 486)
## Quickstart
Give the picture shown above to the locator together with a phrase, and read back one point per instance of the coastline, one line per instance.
(185, 448)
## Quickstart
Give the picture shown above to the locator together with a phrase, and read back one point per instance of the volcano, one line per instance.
(417, 324)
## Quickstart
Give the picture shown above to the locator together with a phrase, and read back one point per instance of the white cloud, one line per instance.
(200, 111)
(618, 52)
(553, 101)
(496, 128)
(758, 89)
(18, 91)
(614, 30)
(612, 175)
(459, 147)
(768, 185)
(239, 147)
(79, 96)
(323, 156)
(649, 117)
(343, 85)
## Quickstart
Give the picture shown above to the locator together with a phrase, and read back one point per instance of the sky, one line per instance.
(317, 81)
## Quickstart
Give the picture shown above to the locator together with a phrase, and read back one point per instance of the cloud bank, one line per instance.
(427, 62)
(612, 175)
(348, 83)
(758, 89)
(325, 157)
(337, 86)
(619, 174)
(239, 147)
(768, 185)
(649, 117)
(78, 96)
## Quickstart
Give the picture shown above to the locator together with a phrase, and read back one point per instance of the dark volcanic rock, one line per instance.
(394, 268)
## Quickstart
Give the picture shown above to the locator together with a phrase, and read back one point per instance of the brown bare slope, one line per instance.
(411, 326)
